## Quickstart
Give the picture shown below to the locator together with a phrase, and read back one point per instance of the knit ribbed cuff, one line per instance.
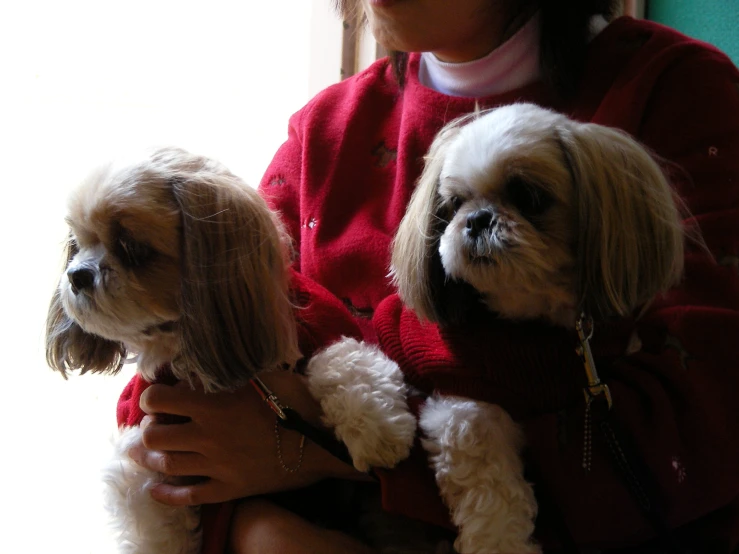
(527, 367)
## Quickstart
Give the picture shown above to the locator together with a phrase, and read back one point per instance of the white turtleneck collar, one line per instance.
(512, 65)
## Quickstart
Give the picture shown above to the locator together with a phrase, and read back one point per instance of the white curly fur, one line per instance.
(144, 526)
(474, 447)
(362, 396)
(475, 451)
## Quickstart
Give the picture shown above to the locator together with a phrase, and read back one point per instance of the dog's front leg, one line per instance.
(363, 399)
(475, 451)
(142, 525)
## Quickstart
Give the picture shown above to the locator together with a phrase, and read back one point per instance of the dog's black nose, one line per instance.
(81, 278)
(479, 221)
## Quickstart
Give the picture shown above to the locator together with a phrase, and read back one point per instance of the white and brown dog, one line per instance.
(174, 259)
(545, 217)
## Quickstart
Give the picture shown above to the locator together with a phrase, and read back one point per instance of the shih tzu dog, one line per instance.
(545, 218)
(177, 261)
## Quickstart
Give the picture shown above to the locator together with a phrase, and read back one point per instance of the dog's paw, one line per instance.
(363, 398)
(474, 449)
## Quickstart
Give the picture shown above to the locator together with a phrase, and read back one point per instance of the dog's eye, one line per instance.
(529, 199)
(131, 252)
(72, 245)
(456, 203)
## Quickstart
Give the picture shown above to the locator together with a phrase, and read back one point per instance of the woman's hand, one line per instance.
(230, 440)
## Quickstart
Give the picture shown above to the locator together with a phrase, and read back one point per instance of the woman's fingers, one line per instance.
(177, 400)
(206, 492)
(170, 463)
(229, 439)
(179, 437)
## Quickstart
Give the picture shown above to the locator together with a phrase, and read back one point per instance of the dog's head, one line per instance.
(174, 258)
(542, 216)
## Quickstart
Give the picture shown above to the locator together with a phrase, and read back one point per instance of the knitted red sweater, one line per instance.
(342, 181)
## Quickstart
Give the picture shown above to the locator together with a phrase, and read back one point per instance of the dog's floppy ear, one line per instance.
(237, 318)
(69, 348)
(416, 267)
(630, 235)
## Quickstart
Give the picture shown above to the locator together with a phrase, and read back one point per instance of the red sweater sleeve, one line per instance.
(280, 185)
(675, 396)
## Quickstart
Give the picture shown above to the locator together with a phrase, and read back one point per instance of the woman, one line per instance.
(342, 181)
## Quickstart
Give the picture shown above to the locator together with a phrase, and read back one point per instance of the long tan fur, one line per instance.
(630, 236)
(414, 264)
(237, 318)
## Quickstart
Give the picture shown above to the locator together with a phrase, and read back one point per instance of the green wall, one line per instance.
(714, 21)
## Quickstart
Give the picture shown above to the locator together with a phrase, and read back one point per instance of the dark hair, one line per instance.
(564, 38)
